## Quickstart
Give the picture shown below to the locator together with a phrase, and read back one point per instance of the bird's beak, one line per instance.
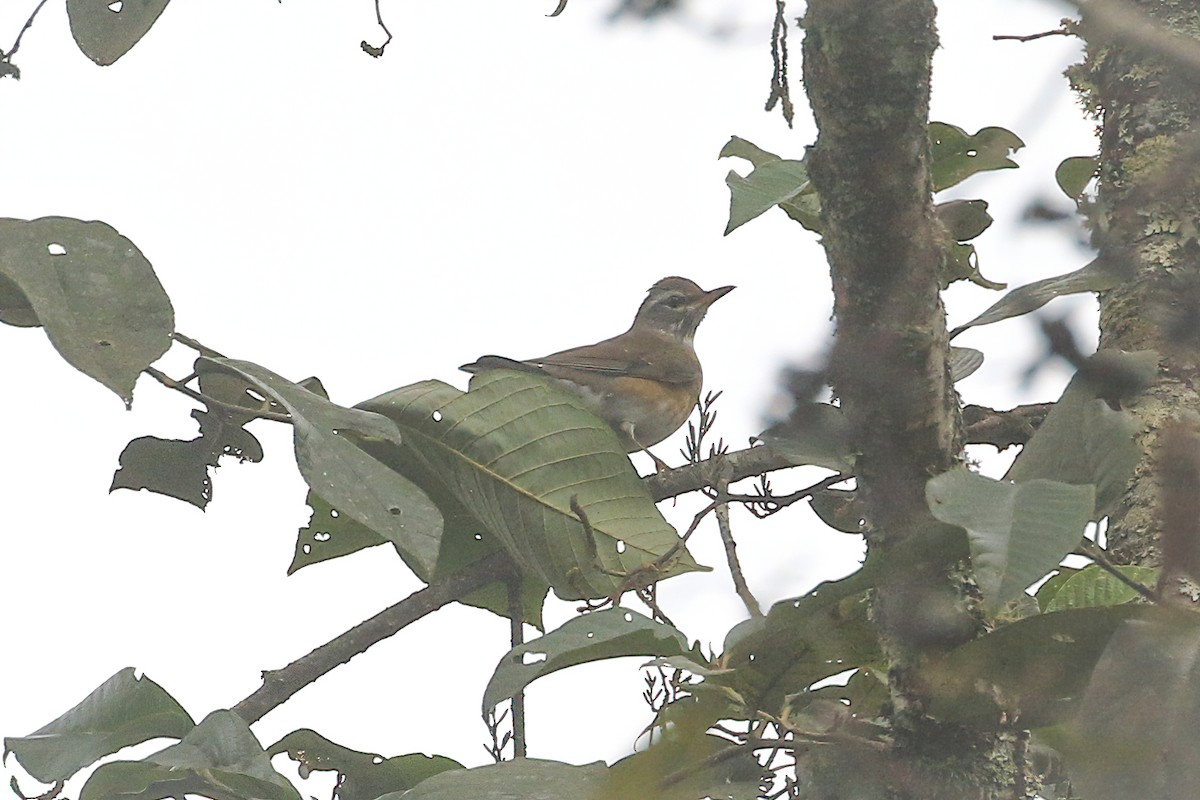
(716, 294)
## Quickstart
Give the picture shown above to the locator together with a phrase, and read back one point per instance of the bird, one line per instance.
(645, 382)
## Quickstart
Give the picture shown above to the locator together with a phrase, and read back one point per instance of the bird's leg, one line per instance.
(659, 464)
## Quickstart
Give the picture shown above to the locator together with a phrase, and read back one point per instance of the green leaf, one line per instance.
(865, 694)
(1031, 673)
(963, 362)
(1045, 593)
(180, 468)
(737, 147)
(342, 473)
(518, 779)
(331, 534)
(1082, 440)
(105, 30)
(962, 264)
(964, 219)
(361, 776)
(1136, 731)
(122, 711)
(518, 452)
(774, 183)
(94, 292)
(1094, 586)
(599, 635)
(1098, 275)
(219, 758)
(958, 155)
(839, 509)
(813, 433)
(1017, 532)
(465, 540)
(1075, 173)
(799, 642)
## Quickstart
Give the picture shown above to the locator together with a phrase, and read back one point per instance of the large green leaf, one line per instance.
(465, 539)
(1030, 674)
(361, 776)
(523, 455)
(122, 711)
(1096, 276)
(219, 758)
(94, 292)
(1017, 532)
(519, 779)
(799, 642)
(613, 633)
(1094, 586)
(106, 30)
(1082, 440)
(345, 476)
(1136, 731)
(957, 155)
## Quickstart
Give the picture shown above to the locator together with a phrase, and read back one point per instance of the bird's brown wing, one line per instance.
(651, 357)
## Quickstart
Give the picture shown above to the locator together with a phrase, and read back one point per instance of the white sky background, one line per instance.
(498, 182)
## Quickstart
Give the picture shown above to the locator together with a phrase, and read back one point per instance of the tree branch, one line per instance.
(279, 685)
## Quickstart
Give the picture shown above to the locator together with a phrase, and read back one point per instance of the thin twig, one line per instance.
(779, 58)
(1029, 37)
(516, 615)
(1093, 551)
(188, 341)
(735, 567)
(770, 503)
(370, 49)
(200, 397)
(12, 51)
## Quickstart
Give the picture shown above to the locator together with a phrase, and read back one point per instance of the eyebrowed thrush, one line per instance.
(645, 382)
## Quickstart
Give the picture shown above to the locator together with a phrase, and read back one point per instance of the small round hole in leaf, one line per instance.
(56, 249)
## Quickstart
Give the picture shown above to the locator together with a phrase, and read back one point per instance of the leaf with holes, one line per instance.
(180, 468)
(342, 473)
(597, 636)
(799, 642)
(94, 292)
(465, 540)
(123, 711)
(523, 456)
(957, 155)
(105, 30)
(361, 776)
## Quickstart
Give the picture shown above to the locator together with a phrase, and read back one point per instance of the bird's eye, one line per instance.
(674, 301)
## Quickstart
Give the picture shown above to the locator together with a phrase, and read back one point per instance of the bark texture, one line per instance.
(867, 71)
(1141, 78)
